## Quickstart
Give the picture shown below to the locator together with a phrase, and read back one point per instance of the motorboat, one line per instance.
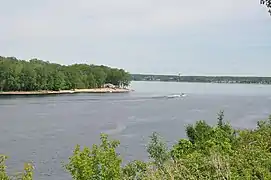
(176, 95)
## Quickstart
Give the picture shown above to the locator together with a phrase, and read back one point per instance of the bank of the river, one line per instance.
(96, 90)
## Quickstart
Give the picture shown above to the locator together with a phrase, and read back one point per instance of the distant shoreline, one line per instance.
(202, 82)
(45, 92)
(204, 79)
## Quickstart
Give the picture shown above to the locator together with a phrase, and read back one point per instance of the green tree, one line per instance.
(198, 133)
(101, 162)
(157, 150)
(135, 170)
(42, 76)
(28, 78)
(20, 75)
(58, 80)
(100, 76)
(91, 81)
(113, 77)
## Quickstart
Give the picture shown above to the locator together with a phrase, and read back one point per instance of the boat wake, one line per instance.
(111, 99)
(176, 95)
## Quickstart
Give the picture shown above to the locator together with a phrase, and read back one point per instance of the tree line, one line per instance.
(203, 79)
(35, 75)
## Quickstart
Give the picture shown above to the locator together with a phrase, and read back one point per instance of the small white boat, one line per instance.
(176, 95)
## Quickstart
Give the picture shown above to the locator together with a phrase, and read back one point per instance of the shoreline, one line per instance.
(45, 92)
(202, 82)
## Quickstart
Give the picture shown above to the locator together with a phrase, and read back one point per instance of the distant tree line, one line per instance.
(203, 79)
(34, 75)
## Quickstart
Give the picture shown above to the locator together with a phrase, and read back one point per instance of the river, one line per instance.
(45, 129)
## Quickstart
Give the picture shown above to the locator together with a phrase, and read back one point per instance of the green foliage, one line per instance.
(3, 174)
(252, 157)
(223, 153)
(35, 75)
(182, 148)
(101, 162)
(27, 174)
(157, 150)
(205, 137)
(216, 152)
(198, 133)
(135, 170)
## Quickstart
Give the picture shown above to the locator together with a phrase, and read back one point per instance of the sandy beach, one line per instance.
(102, 90)
(96, 90)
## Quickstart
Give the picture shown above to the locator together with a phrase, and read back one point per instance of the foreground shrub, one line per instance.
(3, 174)
(220, 152)
(27, 174)
(157, 150)
(101, 162)
(217, 152)
(135, 170)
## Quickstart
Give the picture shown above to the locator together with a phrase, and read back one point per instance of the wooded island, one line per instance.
(20, 76)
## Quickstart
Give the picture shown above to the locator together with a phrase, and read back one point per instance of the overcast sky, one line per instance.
(200, 37)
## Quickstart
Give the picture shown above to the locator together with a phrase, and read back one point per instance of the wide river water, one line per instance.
(45, 129)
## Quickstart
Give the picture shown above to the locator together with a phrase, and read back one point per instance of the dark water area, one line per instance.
(45, 129)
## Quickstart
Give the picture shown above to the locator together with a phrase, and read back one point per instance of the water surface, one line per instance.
(45, 129)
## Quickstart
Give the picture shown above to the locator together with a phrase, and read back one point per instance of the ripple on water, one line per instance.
(129, 135)
(197, 110)
(113, 128)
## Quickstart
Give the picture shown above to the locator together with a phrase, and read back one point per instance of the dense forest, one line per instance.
(203, 79)
(35, 75)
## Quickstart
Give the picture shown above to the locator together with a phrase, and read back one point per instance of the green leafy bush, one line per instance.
(157, 150)
(3, 174)
(217, 152)
(27, 174)
(101, 162)
(135, 170)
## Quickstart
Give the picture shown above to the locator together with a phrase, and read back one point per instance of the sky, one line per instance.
(210, 37)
